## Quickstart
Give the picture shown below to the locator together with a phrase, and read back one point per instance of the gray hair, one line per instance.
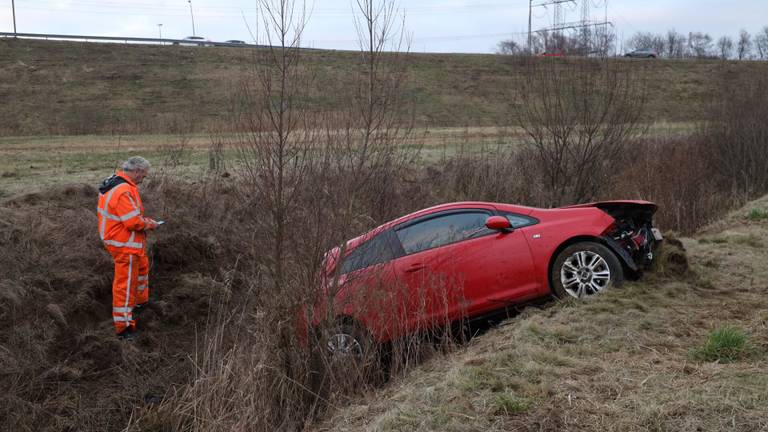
(136, 163)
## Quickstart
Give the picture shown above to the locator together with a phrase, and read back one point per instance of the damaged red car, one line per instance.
(467, 260)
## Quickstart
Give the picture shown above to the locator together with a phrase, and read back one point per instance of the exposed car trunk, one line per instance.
(633, 230)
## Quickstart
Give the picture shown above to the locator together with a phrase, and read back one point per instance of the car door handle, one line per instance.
(415, 267)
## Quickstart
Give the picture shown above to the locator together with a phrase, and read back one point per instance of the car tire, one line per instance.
(348, 349)
(347, 339)
(333, 370)
(583, 269)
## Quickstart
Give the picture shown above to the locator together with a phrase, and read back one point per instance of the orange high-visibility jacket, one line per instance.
(121, 216)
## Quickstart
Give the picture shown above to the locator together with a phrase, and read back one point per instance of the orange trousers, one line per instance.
(129, 288)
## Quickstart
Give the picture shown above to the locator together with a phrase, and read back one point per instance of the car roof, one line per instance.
(435, 209)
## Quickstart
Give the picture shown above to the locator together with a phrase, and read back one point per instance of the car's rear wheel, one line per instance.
(585, 269)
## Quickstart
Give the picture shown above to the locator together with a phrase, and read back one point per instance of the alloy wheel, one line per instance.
(584, 273)
(343, 344)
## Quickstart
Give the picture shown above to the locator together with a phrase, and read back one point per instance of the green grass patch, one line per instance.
(509, 404)
(482, 378)
(757, 214)
(725, 344)
(552, 359)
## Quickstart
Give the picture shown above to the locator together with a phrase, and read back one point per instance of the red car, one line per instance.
(468, 259)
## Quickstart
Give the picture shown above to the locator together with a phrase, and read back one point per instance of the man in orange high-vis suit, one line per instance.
(122, 228)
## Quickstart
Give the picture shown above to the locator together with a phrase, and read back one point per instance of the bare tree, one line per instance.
(675, 44)
(603, 41)
(699, 45)
(578, 119)
(761, 44)
(646, 40)
(510, 47)
(725, 47)
(744, 46)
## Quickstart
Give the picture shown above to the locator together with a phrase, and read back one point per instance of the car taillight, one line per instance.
(639, 239)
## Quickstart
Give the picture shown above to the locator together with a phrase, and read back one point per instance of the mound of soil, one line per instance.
(672, 259)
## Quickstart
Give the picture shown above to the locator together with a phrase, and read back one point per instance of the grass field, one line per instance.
(88, 88)
(27, 161)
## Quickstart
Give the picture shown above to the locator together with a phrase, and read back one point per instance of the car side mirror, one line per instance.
(498, 223)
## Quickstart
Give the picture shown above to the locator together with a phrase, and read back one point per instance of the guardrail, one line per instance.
(125, 39)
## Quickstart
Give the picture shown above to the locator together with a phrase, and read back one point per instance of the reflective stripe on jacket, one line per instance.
(121, 216)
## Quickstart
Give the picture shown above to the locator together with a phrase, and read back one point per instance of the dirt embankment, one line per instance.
(628, 360)
(61, 367)
(73, 88)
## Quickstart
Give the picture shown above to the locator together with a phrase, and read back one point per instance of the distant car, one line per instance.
(642, 53)
(235, 42)
(552, 54)
(194, 41)
(469, 259)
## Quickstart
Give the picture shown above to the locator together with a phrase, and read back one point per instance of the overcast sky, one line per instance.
(434, 25)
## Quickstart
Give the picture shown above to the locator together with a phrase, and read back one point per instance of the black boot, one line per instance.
(128, 335)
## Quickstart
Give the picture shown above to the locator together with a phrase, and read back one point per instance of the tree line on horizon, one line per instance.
(672, 44)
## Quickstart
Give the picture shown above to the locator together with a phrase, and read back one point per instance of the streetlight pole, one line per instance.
(160, 29)
(193, 17)
(530, 13)
(13, 8)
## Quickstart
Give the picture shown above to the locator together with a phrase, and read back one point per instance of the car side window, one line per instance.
(377, 250)
(443, 230)
(519, 221)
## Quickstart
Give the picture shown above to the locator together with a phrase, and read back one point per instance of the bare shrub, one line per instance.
(174, 153)
(735, 136)
(216, 156)
(578, 118)
(483, 172)
(744, 45)
(725, 47)
(673, 173)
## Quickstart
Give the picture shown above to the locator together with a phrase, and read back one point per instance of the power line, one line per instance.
(559, 24)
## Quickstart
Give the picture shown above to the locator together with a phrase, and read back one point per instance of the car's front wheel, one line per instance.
(350, 355)
(347, 340)
(585, 269)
